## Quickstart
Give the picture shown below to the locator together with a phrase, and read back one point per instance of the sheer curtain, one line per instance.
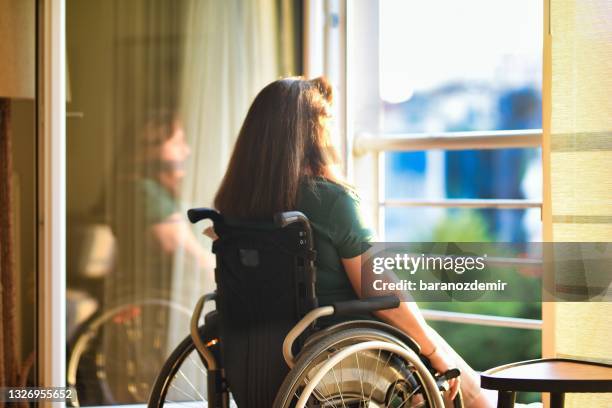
(579, 133)
(232, 50)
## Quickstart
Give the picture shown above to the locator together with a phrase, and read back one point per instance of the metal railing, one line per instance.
(482, 320)
(473, 140)
(464, 203)
(495, 139)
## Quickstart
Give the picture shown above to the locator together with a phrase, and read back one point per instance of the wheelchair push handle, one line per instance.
(198, 214)
(286, 218)
(367, 305)
(289, 217)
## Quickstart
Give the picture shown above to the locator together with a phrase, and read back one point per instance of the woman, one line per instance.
(283, 160)
(152, 234)
(148, 218)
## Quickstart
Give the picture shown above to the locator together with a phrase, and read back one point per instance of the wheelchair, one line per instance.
(101, 375)
(250, 352)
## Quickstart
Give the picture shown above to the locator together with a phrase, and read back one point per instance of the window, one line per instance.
(445, 128)
(472, 71)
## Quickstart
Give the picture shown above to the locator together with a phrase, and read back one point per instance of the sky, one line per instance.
(425, 43)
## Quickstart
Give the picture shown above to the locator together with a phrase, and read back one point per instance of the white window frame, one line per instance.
(364, 153)
(51, 216)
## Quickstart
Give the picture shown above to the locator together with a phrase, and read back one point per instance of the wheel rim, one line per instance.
(371, 374)
(185, 384)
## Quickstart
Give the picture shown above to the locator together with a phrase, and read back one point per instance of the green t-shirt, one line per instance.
(143, 265)
(156, 202)
(339, 232)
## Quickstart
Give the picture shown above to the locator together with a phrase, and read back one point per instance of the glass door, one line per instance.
(157, 92)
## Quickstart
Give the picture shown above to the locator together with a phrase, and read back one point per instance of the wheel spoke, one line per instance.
(375, 376)
(360, 378)
(386, 364)
(392, 394)
(203, 371)
(326, 389)
(177, 388)
(315, 391)
(192, 386)
(403, 402)
(418, 387)
(339, 389)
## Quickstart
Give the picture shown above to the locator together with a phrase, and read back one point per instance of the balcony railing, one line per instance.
(463, 203)
(482, 320)
(498, 139)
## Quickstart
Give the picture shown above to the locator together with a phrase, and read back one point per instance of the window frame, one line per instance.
(51, 196)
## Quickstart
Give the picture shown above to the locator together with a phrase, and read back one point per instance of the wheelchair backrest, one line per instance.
(265, 283)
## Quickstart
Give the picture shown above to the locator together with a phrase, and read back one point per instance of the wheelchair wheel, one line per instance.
(182, 380)
(359, 367)
(114, 356)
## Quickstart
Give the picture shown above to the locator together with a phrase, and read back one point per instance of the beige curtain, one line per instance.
(578, 154)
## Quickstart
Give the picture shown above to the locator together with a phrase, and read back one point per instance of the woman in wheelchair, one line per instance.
(284, 160)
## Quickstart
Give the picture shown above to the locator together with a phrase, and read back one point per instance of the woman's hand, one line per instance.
(442, 362)
(210, 233)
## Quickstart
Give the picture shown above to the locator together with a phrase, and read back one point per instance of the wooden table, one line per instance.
(554, 375)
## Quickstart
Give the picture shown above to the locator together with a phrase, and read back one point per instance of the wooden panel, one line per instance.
(580, 173)
(582, 183)
(17, 19)
(569, 232)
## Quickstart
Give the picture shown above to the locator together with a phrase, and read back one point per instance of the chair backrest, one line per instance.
(265, 283)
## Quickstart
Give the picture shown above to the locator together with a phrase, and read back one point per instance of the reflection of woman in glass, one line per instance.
(283, 161)
(150, 225)
(151, 232)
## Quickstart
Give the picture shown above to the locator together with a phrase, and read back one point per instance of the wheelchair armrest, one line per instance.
(211, 362)
(349, 307)
(367, 305)
(299, 328)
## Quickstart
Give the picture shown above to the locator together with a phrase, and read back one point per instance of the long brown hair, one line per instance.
(284, 141)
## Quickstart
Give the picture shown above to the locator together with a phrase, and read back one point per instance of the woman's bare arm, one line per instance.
(173, 233)
(407, 317)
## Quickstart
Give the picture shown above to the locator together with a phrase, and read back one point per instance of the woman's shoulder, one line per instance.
(328, 200)
(345, 222)
(330, 191)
